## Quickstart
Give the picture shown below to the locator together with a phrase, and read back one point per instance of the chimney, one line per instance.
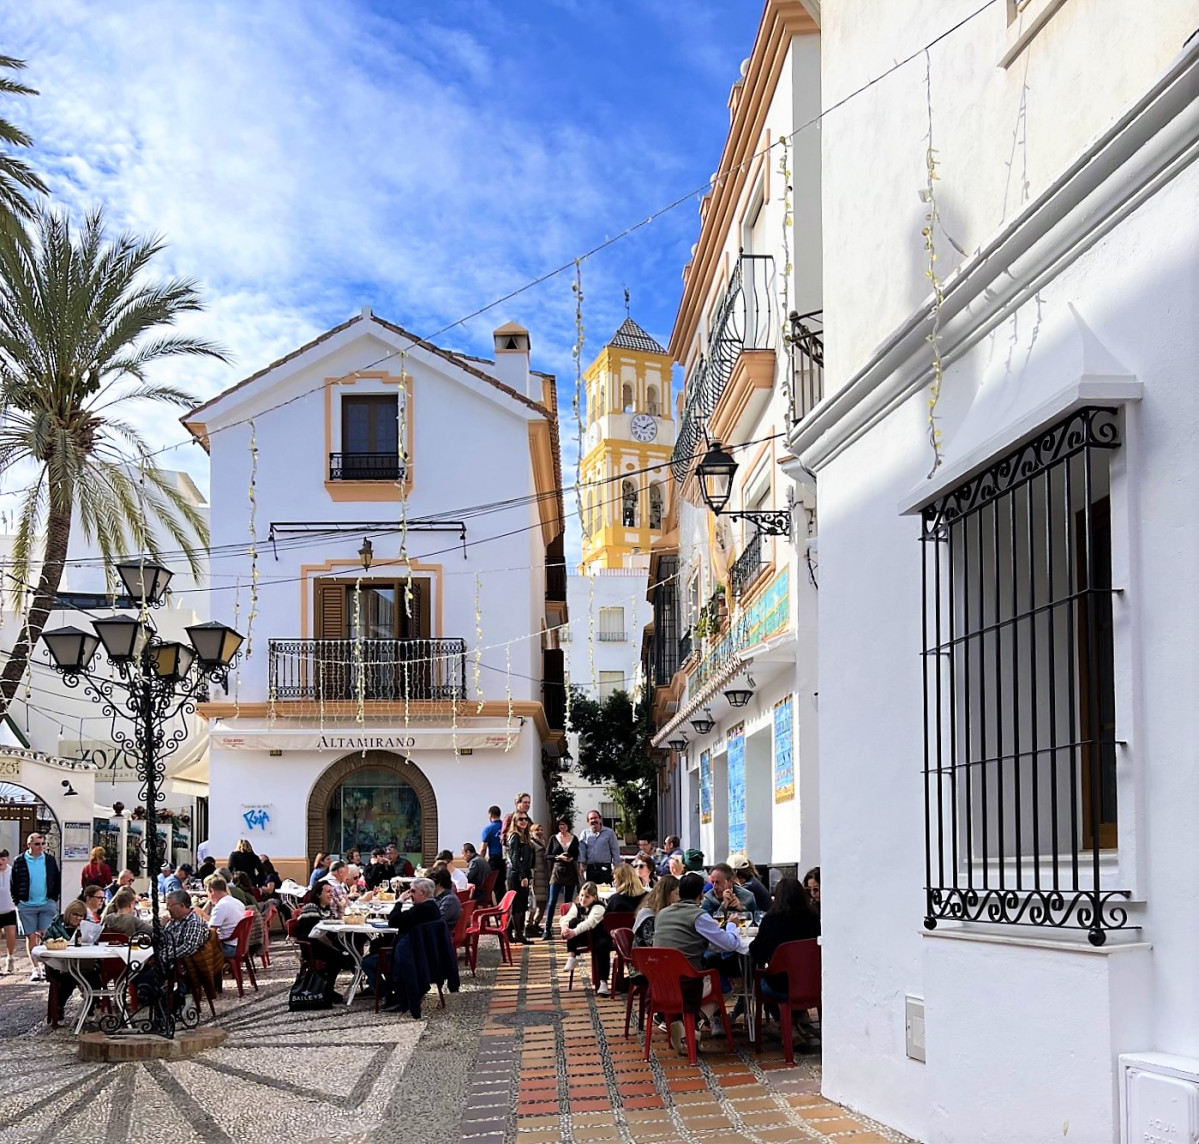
(512, 358)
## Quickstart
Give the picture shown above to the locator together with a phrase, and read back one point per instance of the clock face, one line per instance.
(643, 427)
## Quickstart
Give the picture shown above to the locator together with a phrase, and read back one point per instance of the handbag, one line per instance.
(309, 991)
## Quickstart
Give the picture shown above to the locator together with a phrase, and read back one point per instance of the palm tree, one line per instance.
(16, 176)
(79, 324)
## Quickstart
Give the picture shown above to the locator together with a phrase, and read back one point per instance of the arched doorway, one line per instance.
(22, 811)
(372, 799)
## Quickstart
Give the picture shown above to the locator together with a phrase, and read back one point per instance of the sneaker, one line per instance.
(602, 991)
(678, 1039)
(8, 964)
(570, 963)
(35, 977)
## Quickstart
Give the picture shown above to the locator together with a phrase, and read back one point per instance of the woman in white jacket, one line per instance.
(585, 917)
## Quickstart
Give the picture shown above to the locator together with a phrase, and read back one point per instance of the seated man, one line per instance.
(378, 871)
(401, 866)
(685, 926)
(178, 879)
(477, 869)
(404, 921)
(727, 897)
(444, 895)
(124, 881)
(224, 912)
(186, 933)
(120, 916)
(458, 876)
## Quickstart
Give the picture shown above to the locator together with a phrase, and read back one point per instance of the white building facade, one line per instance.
(1008, 557)
(735, 680)
(391, 508)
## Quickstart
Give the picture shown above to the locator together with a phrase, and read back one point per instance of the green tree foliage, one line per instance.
(614, 749)
(17, 178)
(81, 321)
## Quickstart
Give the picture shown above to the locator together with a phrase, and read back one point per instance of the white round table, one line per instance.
(75, 958)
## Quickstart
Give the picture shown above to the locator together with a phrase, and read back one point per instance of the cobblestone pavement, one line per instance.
(515, 1058)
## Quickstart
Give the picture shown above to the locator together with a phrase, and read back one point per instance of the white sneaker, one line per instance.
(570, 963)
(602, 991)
(34, 977)
(8, 963)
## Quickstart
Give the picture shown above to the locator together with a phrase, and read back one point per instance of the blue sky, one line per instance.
(307, 158)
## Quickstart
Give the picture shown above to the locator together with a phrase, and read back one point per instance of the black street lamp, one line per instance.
(157, 680)
(704, 723)
(715, 474)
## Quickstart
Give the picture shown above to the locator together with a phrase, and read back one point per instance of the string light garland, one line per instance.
(508, 690)
(577, 405)
(253, 549)
(591, 626)
(359, 644)
(479, 642)
(237, 627)
(931, 220)
(784, 167)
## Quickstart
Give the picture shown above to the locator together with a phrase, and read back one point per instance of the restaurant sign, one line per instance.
(416, 739)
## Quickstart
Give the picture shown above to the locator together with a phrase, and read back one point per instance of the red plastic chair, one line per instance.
(487, 890)
(465, 896)
(639, 986)
(241, 953)
(461, 930)
(268, 916)
(491, 923)
(800, 961)
(618, 920)
(667, 969)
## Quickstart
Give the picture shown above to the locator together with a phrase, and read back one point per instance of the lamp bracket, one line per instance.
(769, 522)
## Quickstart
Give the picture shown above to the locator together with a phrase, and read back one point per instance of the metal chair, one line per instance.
(667, 970)
(800, 962)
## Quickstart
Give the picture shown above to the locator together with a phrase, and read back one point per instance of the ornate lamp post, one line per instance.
(157, 681)
(715, 474)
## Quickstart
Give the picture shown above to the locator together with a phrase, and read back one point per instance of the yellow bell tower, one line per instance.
(626, 448)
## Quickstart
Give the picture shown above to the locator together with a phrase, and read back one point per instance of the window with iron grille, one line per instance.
(1019, 686)
(611, 625)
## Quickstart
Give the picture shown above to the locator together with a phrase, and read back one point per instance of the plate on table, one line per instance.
(377, 924)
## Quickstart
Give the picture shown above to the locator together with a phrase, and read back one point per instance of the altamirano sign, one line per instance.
(316, 740)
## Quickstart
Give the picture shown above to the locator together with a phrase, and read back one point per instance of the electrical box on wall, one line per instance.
(1159, 1099)
(913, 1020)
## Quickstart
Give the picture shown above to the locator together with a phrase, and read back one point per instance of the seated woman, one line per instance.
(332, 959)
(320, 867)
(121, 918)
(586, 916)
(630, 893)
(665, 893)
(62, 984)
(790, 918)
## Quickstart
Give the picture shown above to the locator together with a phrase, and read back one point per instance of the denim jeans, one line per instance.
(557, 891)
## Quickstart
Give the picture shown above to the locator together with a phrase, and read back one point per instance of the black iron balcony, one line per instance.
(328, 670)
(747, 567)
(806, 338)
(553, 688)
(742, 322)
(365, 467)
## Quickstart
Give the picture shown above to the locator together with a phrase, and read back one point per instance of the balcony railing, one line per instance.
(806, 338)
(742, 322)
(365, 467)
(611, 637)
(329, 670)
(747, 567)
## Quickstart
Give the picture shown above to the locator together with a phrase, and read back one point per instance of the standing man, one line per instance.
(493, 847)
(520, 805)
(598, 851)
(36, 887)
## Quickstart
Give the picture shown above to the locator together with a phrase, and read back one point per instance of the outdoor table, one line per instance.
(74, 958)
(744, 937)
(344, 934)
(290, 893)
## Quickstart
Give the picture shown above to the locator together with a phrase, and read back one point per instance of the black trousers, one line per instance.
(600, 942)
(600, 873)
(520, 906)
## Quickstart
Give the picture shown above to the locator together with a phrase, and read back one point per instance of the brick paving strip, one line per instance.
(566, 1074)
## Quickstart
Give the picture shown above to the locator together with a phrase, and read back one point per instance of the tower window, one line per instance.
(652, 407)
(626, 398)
(655, 505)
(628, 499)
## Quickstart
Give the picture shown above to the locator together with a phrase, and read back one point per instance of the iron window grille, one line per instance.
(1019, 687)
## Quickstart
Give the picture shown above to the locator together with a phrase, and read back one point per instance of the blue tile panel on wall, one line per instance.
(736, 791)
(784, 755)
(705, 788)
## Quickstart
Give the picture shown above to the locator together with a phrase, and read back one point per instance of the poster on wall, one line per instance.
(784, 756)
(258, 819)
(737, 790)
(76, 841)
(705, 788)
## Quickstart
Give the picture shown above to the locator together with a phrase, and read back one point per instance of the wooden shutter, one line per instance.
(330, 664)
(329, 610)
(416, 626)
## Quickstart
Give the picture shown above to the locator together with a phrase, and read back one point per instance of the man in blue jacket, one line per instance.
(36, 888)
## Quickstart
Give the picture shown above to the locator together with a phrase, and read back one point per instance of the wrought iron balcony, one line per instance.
(742, 322)
(365, 467)
(329, 670)
(806, 339)
(747, 567)
(611, 636)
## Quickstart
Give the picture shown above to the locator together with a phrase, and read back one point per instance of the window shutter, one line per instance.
(417, 626)
(330, 610)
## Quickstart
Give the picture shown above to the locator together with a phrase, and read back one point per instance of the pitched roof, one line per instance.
(631, 336)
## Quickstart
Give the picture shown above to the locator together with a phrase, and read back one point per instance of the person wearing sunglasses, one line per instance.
(36, 888)
(521, 857)
(644, 871)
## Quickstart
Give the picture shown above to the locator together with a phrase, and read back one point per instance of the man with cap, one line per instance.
(747, 879)
(178, 880)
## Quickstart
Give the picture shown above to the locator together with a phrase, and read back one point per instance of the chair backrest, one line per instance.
(666, 969)
(465, 896)
(291, 923)
(241, 934)
(506, 906)
(623, 940)
(112, 937)
(618, 919)
(268, 914)
(463, 924)
(800, 961)
(488, 886)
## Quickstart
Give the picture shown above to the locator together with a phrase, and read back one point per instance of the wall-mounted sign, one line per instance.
(112, 762)
(705, 788)
(76, 840)
(784, 754)
(736, 770)
(316, 740)
(258, 817)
